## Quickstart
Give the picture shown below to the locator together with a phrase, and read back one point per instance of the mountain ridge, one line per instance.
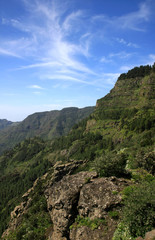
(48, 125)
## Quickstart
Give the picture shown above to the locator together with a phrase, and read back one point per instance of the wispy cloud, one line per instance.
(4, 51)
(121, 55)
(126, 43)
(133, 21)
(35, 87)
(58, 41)
(49, 42)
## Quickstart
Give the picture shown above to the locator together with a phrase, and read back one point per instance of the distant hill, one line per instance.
(47, 125)
(5, 123)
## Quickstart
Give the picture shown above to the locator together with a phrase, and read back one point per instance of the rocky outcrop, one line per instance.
(87, 196)
(75, 196)
(62, 199)
(99, 196)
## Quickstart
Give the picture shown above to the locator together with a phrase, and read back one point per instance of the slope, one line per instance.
(5, 123)
(47, 125)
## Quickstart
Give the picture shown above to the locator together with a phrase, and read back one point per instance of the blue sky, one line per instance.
(62, 53)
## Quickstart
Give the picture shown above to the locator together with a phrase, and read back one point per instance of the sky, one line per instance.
(69, 53)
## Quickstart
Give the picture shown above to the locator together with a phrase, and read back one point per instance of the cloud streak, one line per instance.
(58, 41)
(133, 21)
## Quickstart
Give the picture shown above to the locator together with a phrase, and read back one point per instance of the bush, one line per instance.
(92, 224)
(111, 165)
(139, 210)
(114, 214)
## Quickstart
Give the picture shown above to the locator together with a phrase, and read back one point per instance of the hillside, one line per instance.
(97, 182)
(46, 125)
(5, 123)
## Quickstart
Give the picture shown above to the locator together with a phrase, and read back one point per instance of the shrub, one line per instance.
(92, 224)
(111, 165)
(114, 214)
(139, 210)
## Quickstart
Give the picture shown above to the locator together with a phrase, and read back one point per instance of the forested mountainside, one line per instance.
(97, 182)
(47, 125)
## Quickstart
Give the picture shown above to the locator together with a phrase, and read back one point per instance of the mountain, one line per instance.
(96, 182)
(46, 125)
(5, 123)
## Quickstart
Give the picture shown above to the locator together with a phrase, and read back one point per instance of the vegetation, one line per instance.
(117, 139)
(139, 210)
(141, 71)
(92, 224)
(4, 123)
(47, 125)
(19, 168)
(36, 220)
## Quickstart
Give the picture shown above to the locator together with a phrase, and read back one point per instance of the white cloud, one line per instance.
(128, 44)
(65, 78)
(58, 42)
(36, 87)
(133, 21)
(121, 55)
(105, 60)
(8, 53)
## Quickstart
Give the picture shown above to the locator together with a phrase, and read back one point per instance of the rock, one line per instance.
(98, 197)
(86, 195)
(62, 199)
(150, 235)
(60, 170)
(84, 233)
(69, 196)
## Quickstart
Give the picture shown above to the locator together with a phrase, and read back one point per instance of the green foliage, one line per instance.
(122, 233)
(111, 165)
(18, 174)
(92, 224)
(113, 214)
(139, 210)
(136, 72)
(145, 160)
(36, 220)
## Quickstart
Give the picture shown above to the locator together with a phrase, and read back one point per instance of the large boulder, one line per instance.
(87, 196)
(62, 199)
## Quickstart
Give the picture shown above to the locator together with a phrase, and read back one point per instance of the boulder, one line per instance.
(62, 200)
(85, 195)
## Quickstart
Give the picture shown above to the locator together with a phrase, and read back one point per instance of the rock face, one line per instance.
(62, 201)
(75, 196)
(98, 197)
(84, 195)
